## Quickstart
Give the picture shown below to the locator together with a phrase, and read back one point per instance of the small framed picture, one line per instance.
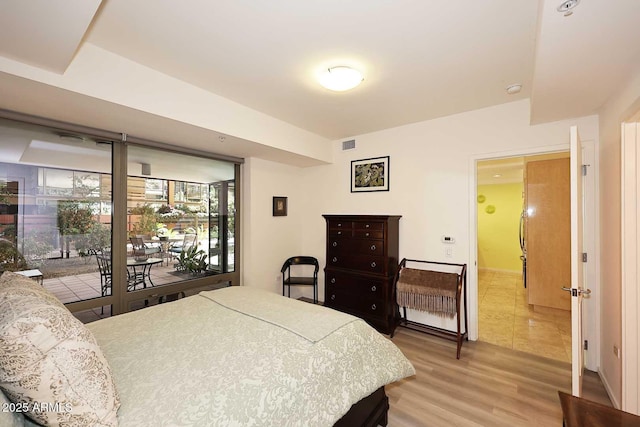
(370, 174)
(279, 206)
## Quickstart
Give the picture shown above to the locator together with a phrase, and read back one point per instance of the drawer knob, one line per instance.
(373, 264)
(366, 226)
(333, 280)
(366, 234)
(339, 233)
(373, 247)
(335, 259)
(333, 296)
(373, 307)
(339, 224)
(335, 244)
(373, 288)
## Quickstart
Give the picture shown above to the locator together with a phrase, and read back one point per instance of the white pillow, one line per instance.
(49, 361)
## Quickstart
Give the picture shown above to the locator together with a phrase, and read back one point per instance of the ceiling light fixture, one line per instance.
(340, 78)
(567, 6)
(514, 88)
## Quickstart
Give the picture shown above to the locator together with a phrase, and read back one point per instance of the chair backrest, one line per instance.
(301, 260)
(137, 243)
(104, 264)
(189, 240)
(99, 251)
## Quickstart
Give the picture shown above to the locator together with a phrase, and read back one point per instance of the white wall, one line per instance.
(617, 109)
(269, 240)
(429, 185)
(429, 175)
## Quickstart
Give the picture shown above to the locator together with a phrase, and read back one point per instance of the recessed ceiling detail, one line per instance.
(419, 66)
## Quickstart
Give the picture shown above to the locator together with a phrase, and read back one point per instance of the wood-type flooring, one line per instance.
(488, 386)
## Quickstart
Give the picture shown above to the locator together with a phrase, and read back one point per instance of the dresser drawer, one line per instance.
(369, 264)
(368, 225)
(368, 234)
(337, 224)
(358, 304)
(360, 285)
(334, 233)
(338, 245)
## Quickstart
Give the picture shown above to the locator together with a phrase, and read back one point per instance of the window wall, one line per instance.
(66, 215)
(178, 208)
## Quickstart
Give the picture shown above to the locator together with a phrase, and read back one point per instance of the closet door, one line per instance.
(548, 232)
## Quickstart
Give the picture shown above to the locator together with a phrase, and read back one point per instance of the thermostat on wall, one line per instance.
(448, 239)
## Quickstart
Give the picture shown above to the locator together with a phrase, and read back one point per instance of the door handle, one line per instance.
(576, 292)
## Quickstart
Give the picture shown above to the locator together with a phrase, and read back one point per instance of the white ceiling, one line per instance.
(44, 33)
(422, 59)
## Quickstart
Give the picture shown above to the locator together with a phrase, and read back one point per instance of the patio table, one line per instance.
(141, 271)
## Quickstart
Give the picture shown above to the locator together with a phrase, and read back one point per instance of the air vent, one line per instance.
(349, 145)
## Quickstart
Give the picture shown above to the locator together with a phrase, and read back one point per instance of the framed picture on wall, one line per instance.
(279, 206)
(370, 175)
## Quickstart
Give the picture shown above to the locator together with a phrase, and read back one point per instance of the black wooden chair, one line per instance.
(310, 280)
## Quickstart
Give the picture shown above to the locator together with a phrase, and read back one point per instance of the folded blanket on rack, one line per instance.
(427, 290)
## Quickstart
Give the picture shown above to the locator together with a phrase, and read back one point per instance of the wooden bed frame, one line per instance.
(368, 412)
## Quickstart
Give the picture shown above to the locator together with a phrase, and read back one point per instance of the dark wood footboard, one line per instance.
(369, 412)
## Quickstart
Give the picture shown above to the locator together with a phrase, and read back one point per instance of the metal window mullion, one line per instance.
(119, 226)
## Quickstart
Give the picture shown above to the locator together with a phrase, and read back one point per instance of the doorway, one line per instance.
(508, 313)
(591, 329)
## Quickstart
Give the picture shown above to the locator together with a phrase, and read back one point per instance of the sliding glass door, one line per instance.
(222, 226)
(177, 223)
(111, 226)
(55, 205)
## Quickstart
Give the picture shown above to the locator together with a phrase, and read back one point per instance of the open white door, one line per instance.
(577, 266)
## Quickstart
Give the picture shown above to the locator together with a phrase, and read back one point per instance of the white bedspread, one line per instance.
(240, 356)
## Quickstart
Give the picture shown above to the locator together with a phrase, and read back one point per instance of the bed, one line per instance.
(237, 356)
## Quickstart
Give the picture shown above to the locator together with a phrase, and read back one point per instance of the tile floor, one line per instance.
(86, 286)
(505, 318)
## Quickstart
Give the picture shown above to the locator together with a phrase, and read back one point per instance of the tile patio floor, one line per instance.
(86, 286)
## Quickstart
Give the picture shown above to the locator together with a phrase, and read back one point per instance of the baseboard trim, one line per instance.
(609, 391)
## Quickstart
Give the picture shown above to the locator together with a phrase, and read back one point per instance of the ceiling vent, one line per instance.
(349, 145)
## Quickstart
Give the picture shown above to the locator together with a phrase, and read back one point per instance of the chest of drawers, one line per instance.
(362, 260)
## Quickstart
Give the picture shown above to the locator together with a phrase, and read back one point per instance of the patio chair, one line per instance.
(188, 241)
(141, 250)
(103, 258)
(104, 266)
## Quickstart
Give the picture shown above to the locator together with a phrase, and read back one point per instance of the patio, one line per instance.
(84, 286)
